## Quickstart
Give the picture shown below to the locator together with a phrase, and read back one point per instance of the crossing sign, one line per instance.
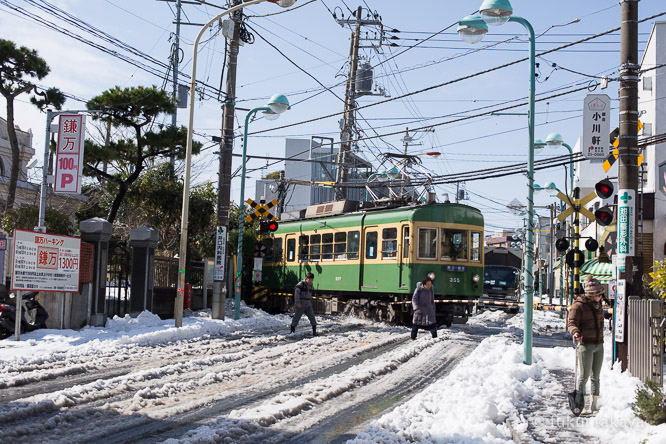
(261, 211)
(610, 160)
(576, 203)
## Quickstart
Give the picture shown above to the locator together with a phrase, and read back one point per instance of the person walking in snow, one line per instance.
(423, 306)
(586, 324)
(303, 303)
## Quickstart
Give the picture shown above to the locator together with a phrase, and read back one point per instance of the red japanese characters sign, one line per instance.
(45, 262)
(69, 154)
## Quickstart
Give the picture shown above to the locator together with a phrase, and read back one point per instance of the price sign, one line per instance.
(69, 154)
(45, 262)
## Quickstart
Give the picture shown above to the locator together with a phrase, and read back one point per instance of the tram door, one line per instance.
(404, 257)
(369, 276)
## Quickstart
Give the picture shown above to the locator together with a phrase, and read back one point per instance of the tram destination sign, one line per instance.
(45, 262)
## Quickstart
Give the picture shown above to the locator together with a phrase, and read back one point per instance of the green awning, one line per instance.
(600, 270)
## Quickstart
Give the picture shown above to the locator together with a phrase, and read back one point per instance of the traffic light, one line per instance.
(268, 226)
(562, 245)
(591, 244)
(604, 189)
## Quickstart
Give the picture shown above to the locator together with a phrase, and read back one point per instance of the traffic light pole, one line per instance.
(628, 155)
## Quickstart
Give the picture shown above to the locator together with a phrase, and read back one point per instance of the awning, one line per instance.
(602, 271)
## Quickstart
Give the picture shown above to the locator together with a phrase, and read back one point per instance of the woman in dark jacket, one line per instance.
(586, 325)
(423, 305)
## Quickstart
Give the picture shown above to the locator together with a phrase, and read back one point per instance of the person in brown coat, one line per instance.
(586, 324)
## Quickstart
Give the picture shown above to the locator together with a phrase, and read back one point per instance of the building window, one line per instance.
(427, 243)
(340, 246)
(353, 244)
(389, 243)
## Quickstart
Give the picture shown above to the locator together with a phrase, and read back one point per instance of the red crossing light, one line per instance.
(272, 226)
(604, 188)
(604, 216)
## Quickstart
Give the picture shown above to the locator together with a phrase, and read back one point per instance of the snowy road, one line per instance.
(266, 387)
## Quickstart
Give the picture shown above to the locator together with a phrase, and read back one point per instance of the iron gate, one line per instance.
(118, 272)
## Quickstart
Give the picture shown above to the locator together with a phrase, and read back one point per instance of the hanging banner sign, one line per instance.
(69, 154)
(596, 126)
(45, 262)
(620, 308)
(220, 253)
(626, 222)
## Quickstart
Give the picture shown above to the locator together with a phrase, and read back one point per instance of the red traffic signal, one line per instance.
(272, 226)
(604, 216)
(263, 226)
(604, 188)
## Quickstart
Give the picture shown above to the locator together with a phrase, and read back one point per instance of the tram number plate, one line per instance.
(338, 278)
(454, 280)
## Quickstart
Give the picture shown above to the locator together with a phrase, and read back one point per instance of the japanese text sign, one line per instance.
(596, 126)
(220, 253)
(45, 262)
(69, 154)
(626, 222)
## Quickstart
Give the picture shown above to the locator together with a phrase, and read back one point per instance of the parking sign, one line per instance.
(69, 154)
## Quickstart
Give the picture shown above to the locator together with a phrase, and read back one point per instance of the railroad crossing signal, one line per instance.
(261, 210)
(575, 203)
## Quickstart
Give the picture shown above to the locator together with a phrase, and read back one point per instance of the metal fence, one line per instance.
(646, 339)
(118, 279)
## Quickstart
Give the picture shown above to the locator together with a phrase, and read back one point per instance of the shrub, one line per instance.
(650, 403)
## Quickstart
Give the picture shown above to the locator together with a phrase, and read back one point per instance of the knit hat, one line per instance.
(592, 286)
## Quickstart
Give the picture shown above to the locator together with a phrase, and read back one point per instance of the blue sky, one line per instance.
(311, 38)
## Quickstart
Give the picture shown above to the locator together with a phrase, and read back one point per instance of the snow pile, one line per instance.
(473, 404)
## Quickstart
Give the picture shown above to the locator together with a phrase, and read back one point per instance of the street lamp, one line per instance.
(184, 218)
(498, 12)
(276, 106)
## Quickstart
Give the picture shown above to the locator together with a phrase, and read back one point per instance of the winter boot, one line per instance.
(314, 330)
(593, 405)
(587, 410)
(293, 329)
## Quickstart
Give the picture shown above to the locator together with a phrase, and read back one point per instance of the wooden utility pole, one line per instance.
(226, 151)
(342, 174)
(628, 157)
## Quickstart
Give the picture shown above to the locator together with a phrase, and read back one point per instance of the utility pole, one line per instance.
(628, 157)
(226, 151)
(175, 55)
(342, 174)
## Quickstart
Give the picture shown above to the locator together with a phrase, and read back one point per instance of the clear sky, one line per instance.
(311, 38)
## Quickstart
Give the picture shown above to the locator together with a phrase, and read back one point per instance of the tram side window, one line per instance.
(371, 245)
(303, 248)
(291, 250)
(389, 243)
(340, 246)
(315, 247)
(427, 243)
(353, 244)
(454, 244)
(405, 242)
(476, 246)
(327, 247)
(268, 243)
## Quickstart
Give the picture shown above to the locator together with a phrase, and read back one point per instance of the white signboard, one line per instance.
(220, 253)
(69, 154)
(626, 222)
(258, 263)
(45, 262)
(596, 126)
(620, 307)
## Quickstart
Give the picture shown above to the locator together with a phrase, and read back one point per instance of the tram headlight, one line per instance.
(476, 278)
(431, 275)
